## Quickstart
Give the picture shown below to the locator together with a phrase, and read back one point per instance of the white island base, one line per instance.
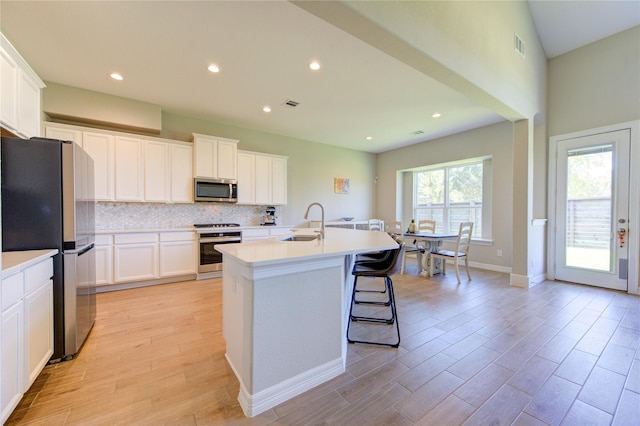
(285, 308)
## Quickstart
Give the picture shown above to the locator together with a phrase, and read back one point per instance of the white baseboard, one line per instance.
(526, 281)
(252, 405)
(489, 267)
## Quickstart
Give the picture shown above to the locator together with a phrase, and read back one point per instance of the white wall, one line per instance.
(595, 85)
(494, 141)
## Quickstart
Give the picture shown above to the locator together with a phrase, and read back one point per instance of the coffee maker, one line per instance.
(270, 216)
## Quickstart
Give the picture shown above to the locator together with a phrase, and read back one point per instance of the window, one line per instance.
(451, 194)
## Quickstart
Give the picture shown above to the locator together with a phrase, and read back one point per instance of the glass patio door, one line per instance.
(592, 209)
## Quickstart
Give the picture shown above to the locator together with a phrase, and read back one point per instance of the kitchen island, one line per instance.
(285, 309)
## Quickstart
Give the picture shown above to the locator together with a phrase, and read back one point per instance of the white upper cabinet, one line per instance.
(64, 134)
(20, 87)
(246, 178)
(129, 169)
(215, 157)
(279, 180)
(157, 171)
(168, 175)
(101, 148)
(181, 173)
(262, 179)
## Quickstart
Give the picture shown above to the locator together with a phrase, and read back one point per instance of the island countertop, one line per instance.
(15, 261)
(337, 242)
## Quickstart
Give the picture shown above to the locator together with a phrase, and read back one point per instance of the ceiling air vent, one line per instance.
(290, 104)
(518, 44)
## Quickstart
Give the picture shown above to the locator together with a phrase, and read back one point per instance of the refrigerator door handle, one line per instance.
(80, 251)
(86, 249)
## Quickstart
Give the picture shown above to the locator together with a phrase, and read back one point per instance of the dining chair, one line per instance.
(462, 251)
(418, 247)
(427, 226)
(375, 225)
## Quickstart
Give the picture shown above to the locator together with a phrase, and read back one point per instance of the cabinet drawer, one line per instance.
(37, 275)
(274, 232)
(12, 290)
(177, 236)
(255, 233)
(136, 238)
(104, 239)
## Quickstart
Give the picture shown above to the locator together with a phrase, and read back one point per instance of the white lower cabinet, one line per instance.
(104, 259)
(257, 234)
(254, 234)
(144, 256)
(135, 257)
(12, 350)
(177, 254)
(38, 319)
(27, 330)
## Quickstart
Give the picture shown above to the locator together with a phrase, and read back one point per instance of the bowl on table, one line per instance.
(347, 219)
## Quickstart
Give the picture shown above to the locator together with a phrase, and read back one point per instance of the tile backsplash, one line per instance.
(146, 215)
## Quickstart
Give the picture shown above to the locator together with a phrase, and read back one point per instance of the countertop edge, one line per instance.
(275, 251)
(16, 261)
(187, 229)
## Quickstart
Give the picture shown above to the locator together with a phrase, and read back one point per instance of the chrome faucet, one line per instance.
(322, 225)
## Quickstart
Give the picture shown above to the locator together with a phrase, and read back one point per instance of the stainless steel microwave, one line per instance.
(219, 190)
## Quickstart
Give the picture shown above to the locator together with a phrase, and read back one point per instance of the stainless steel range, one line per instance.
(210, 235)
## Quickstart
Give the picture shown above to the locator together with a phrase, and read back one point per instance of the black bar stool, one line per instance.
(383, 266)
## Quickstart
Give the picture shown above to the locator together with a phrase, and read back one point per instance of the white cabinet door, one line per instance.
(12, 358)
(227, 159)
(177, 258)
(129, 169)
(263, 180)
(215, 157)
(9, 91)
(28, 106)
(156, 171)
(246, 178)
(205, 154)
(135, 262)
(181, 173)
(104, 265)
(135, 257)
(64, 134)
(38, 316)
(19, 93)
(279, 180)
(255, 234)
(101, 148)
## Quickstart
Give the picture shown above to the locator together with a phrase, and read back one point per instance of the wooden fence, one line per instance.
(589, 222)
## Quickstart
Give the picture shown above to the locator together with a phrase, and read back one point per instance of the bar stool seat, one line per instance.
(383, 267)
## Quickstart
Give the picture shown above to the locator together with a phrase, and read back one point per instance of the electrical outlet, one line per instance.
(499, 253)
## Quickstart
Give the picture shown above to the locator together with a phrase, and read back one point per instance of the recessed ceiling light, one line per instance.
(116, 76)
(369, 138)
(267, 109)
(437, 115)
(213, 68)
(314, 66)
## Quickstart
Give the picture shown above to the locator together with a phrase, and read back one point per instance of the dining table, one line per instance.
(431, 243)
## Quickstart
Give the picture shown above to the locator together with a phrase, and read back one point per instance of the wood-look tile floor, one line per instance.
(477, 353)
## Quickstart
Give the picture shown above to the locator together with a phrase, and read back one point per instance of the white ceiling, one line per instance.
(566, 25)
(263, 48)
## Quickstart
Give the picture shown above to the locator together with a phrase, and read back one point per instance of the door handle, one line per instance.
(621, 234)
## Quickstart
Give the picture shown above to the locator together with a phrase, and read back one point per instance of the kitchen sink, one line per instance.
(300, 238)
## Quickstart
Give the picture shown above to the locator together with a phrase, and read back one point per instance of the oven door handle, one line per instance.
(221, 240)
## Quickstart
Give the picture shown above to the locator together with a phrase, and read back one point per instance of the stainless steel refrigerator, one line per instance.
(48, 202)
